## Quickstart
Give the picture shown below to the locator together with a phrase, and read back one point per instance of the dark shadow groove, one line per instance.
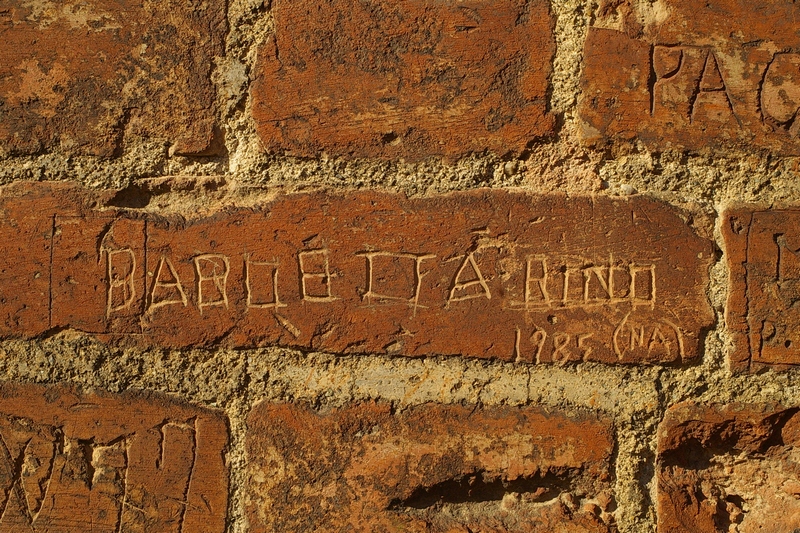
(478, 487)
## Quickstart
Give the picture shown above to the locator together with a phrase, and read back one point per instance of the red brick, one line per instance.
(709, 75)
(432, 468)
(110, 301)
(370, 272)
(25, 269)
(764, 282)
(728, 468)
(79, 76)
(72, 462)
(27, 214)
(411, 79)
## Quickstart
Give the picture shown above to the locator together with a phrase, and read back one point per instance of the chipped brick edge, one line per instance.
(735, 230)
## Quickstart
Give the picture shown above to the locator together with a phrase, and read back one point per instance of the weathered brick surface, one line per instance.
(72, 462)
(409, 79)
(78, 76)
(762, 251)
(27, 224)
(430, 468)
(697, 75)
(539, 279)
(729, 468)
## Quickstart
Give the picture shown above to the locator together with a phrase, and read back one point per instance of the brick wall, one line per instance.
(381, 266)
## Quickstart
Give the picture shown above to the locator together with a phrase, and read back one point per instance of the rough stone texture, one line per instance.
(536, 279)
(729, 468)
(410, 79)
(244, 176)
(718, 74)
(80, 75)
(72, 462)
(430, 468)
(762, 249)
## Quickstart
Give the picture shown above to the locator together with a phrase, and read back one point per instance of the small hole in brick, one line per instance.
(788, 344)
(133, 196)
(389, 138)
(479, 487)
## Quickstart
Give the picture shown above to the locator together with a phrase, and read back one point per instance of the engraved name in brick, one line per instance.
(491, 274)
(729, 468)
(404, 79)
(80, 76)
(433, 468)
(689, 75)
(103, 463)
(763, 251)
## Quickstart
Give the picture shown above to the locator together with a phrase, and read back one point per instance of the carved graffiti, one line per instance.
(765, 287)
(569, 286)
(559, 348)
(688, 81)
(315, 283)
(403, 288)
(661, 341)
(261, 284)
(167, 287)
(536, 283)
(49, 477)
(675, 86)
(459, 291)
(118, 465)
(121, 280)
(780, 95)
(212, 280)
(362, 280)
(391, 277)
